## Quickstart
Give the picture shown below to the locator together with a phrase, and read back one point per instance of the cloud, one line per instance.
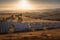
(38, 4)
(7, 1)
(45, 1)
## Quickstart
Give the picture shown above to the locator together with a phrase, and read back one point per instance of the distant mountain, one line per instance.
(48, 14)
(53, 14)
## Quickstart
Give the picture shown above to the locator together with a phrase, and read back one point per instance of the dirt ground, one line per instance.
(35, 35)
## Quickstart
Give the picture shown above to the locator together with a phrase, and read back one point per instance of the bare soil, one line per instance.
(35, 35)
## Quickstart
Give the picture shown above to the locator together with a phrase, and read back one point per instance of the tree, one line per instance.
(20, 19)
(11, 28)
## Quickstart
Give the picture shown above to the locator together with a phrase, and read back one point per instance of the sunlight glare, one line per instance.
(24, 5)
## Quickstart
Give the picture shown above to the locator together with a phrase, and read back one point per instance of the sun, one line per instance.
(24, 5)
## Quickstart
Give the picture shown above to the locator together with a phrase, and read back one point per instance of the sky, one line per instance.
(37, 4)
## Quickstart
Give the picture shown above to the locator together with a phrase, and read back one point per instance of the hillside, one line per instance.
(48, 14)
(27, 19)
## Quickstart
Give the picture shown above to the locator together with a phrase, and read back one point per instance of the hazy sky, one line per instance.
(39, 4)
